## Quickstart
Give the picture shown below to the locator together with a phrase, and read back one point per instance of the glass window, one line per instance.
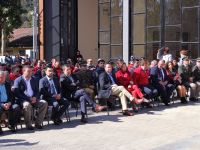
(152, 50)
(116, 30)
(116, 7)
(138, 6)
(138, 28)
(189, 3)
(138, 50)
(105, 52)
(190, 25)
(153, 34)
(104, 37)
(172, 33)
(193, 50)
(103, 1)
(172, 12)
(116, 52)
(110, 29)
(153, 12)
(104, 16)
(174, 48)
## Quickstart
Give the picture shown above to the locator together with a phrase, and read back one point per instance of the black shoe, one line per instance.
(193, 99)
(59, 121)
(183, 100)
(38, 127)
(84, 120)
(166, 104)
(30, 128)
(12, 129)
(56, 122)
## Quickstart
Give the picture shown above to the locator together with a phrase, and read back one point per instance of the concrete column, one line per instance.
(41, 28)
(126, 30)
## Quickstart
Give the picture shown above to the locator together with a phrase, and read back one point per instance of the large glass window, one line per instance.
(110, 29)
(138, 36)
(171, 23)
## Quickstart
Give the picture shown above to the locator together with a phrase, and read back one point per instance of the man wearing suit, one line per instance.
(71, 89)
(27, 92)
(108, 86)
(7, 103)
(49, 87)
(160, 81)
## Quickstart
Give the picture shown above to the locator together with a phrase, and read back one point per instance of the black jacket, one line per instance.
(105, 83)
(67, 89)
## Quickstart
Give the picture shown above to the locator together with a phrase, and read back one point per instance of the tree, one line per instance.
(10, 19)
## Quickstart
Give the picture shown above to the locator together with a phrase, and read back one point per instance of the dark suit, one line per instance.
(59, 106)
(73, 91)
(14, 111)
(20, 87)
(156, 76)
(105, 85)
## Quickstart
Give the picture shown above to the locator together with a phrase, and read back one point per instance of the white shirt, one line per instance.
(28, 92)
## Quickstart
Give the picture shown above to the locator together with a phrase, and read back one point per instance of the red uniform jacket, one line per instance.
(141, 77)
(123, 78)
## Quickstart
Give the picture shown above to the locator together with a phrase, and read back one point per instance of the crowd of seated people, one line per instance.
(26, 85)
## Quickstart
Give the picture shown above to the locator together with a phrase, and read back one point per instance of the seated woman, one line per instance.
(124, 78)
(141, 76)
(175, 79)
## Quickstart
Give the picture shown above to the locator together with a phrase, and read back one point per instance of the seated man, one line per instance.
(71, 89)
(49, 88)
(27, 93)
(108, 86)
(141, 78)
(160, 81)
(185, 71)
(90, 65)
(7, 103)
(86, 79)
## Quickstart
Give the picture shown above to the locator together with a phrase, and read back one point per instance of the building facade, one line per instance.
(113, 29)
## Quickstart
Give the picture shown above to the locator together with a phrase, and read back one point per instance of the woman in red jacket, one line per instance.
(124, 78)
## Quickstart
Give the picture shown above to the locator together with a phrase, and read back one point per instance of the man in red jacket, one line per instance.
(141, 75)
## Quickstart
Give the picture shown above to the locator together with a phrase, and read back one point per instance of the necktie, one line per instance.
(163, 75)
(53, 91)
(111, 78)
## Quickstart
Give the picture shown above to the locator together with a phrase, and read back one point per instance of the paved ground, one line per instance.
(174, 128)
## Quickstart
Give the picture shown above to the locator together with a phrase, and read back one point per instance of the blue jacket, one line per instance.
(20, 87)
(45, 88)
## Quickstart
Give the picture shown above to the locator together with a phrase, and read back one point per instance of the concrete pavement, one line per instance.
(162, 128)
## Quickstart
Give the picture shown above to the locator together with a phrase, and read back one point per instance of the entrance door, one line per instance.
(68, 29)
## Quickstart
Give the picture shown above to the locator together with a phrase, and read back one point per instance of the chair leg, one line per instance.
(67, 115)
(107, 107)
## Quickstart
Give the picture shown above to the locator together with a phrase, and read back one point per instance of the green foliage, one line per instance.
(10, 17)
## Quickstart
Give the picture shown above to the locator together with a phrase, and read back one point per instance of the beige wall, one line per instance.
(88, 28)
